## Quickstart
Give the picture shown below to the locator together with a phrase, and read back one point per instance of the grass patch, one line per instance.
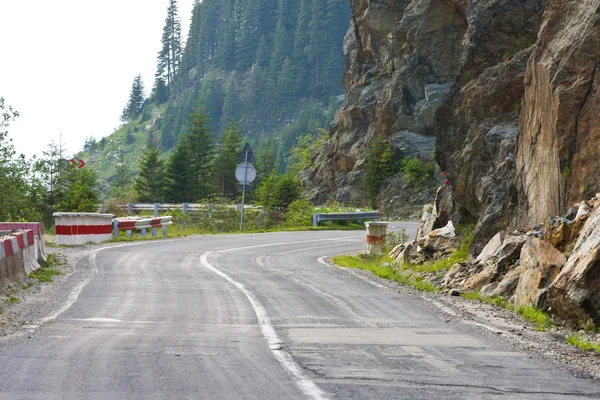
(26, 286)
(496, 300)
(375, 265)
(578, 340)
(537, 317)
(12, 299)
(44, 274)
(47, 271)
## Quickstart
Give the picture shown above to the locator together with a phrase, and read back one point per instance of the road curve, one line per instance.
(260, 317)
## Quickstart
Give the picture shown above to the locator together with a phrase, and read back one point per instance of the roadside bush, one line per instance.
(417, 171)
(299, 213)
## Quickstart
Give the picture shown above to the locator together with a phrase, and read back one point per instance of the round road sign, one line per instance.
(245, 173)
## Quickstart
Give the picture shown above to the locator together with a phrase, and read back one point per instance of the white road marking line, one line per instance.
(308, 387)
(284, 243)
(311, 248)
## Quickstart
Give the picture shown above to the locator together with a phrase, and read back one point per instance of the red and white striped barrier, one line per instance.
(38, 236)
(82, 228)
(141, 224)
(17, 257)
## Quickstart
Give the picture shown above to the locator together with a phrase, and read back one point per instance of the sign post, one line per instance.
(245, 173)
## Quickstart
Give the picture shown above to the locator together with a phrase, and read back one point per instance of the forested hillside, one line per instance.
(273, 67)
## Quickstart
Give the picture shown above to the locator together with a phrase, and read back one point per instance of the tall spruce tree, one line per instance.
(226, 32)
(169, 57)
(150, 181)
(188, 169)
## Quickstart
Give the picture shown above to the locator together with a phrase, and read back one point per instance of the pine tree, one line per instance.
(150, 181)
(120, 186)
(226, 31)
(318, 42)
(229, 147)
(160, 92)
(78, 191)
(212, 95)
(301, 42)
(169, 57)
(136, 100)
(188, 168)
(231, 103)
(248, 36)
(179, 175)
(266, 159)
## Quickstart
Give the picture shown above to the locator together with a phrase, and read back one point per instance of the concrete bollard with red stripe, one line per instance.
(375, 237)
(82, 228)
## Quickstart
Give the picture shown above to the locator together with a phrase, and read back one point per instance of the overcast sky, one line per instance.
(67, 65)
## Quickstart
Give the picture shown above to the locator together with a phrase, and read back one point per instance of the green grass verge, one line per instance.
(374, 264)
(578, 340)
(12, 299)
(47, 271)
(540, 319)
(496, 300)
(537, 317)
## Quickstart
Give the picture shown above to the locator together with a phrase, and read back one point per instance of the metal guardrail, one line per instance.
(349, 216)
(184, 207)
(141, 224)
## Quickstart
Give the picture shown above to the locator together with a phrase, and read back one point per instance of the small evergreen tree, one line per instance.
(380, 164)
(136, 100)
(160, 91)
(150, 182)
(78, 191)
(121, 185)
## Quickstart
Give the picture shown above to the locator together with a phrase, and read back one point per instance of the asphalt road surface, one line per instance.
(260, 317)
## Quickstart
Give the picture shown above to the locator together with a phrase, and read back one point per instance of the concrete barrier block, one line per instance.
(4, 280)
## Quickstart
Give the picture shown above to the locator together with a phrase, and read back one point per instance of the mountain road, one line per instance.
(260, 316)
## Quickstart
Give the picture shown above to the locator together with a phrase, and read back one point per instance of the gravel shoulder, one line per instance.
(39, 301)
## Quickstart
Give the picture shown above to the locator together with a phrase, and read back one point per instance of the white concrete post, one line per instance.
(375, 237)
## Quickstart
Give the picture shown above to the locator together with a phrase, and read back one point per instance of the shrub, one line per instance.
(299, 213)
(417, 171)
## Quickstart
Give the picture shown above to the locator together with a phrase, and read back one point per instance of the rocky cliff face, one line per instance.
(402, 58)
(506, 92)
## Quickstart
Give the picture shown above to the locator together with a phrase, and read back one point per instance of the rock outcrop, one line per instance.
(575, 294)
(402, 58)
(541, 263)
(506, 93)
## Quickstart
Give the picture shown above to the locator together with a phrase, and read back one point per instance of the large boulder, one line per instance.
(440, 240)
(574, 296)
(481, 279)
(508, 284)
(491, 249)
(541, 263)
(563, 233)
(510, 252)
